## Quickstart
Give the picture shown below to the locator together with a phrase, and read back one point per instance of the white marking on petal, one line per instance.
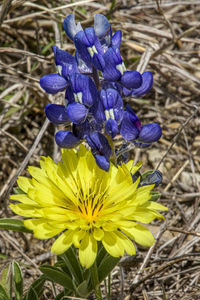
(59, 69)
(90, 50)
(79, 96)
(123, 66)
(120, 69)
(111, 112)
(94, 49)
(107, 115)
(75, 97)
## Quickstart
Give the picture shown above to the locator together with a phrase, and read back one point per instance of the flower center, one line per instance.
(90, 208)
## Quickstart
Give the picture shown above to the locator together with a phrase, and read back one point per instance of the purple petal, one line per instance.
(126, 92)
(97, 110)
(66, 61)
(111, 128)
(131, 79)
(102, 162)
(81, 43)
(127, 129)
(77, 112)
(98, 62)
(53, 83)
(99, 144)
(112, 59)
(56, 113)
(116, 39)
(86, 88)
(70, 26)
(66, 139)
(82, 66)
(103, 30)
(101, 25)
(133, 117)
(147, 82)
(150, 133)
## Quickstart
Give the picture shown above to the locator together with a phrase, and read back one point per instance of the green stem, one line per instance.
(95, 281)
(109, 287)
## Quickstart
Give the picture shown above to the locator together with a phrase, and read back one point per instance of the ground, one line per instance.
(159, 36)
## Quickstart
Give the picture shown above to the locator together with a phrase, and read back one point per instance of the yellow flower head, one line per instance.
(85, 204)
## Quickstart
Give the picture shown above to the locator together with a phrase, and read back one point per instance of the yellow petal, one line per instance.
(88, 250)
(98, 234)
(24, 183)
(25, 210)
(156, 206)
(110, 243)
(140, 234)
(23, 199)
(42, 230)
(63, 242)
(125, 243)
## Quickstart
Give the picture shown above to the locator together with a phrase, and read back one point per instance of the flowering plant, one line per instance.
(95, 198)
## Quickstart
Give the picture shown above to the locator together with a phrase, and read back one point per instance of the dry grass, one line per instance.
(160, 37)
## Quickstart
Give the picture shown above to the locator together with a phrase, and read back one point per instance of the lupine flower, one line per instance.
(115, 70)
(53, 83)
(66, 64)
(56, 114)
(81, 94)
(89, 48)
(85, 210)
(109, 110)
(100, 149)
(103, 30)
(131, 129)
(70, 139)
(147, 83)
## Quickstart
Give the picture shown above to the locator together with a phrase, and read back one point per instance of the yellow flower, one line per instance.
(85, 204)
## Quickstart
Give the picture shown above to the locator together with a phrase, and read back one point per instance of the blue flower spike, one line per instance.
(94, 81)
(101, 149)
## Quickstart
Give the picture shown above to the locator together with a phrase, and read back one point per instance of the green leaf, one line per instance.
(66, 292)
(83, 290)
(73, 264)
(58, 276)
(60, 296)
(36, 287)
(4, 279)
(18, 280)
(106, 266)
(31, 295)
(2, 256)
(3, 294)
(13, 224)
